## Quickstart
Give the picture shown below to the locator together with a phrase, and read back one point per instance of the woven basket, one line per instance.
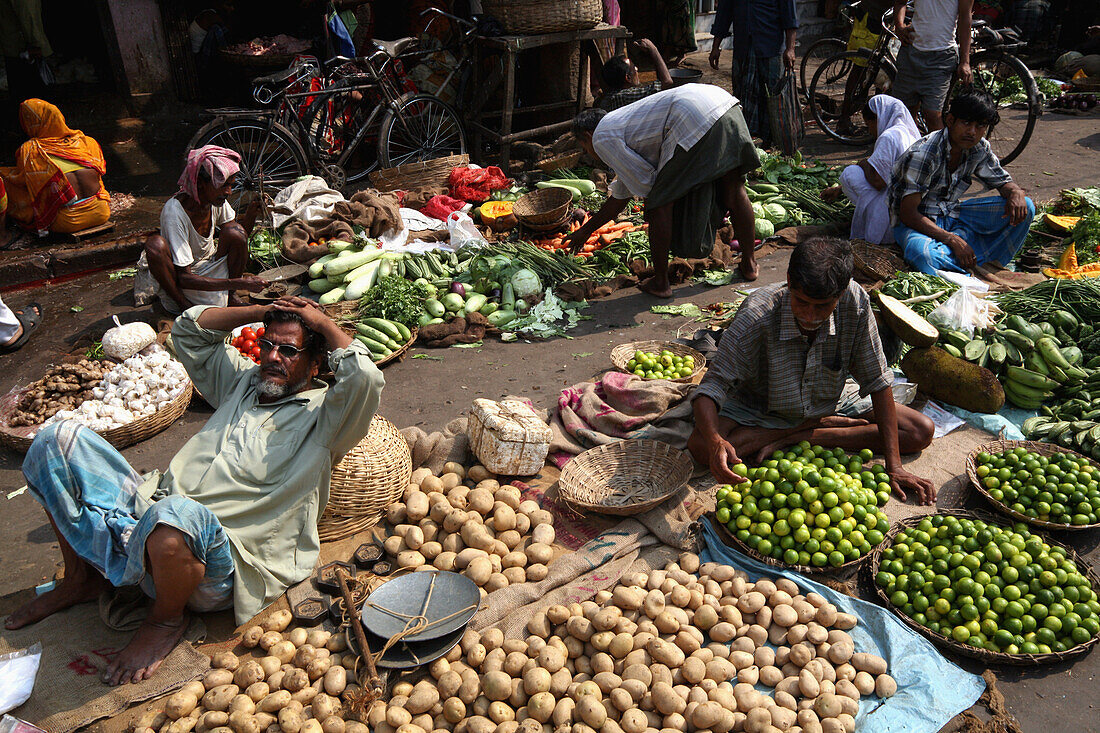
(623, 353)
(367, 480)
(528, 17)
(1019, 660)
(840, 571)
(545, 206)
(875, 261)
(1043, 449)
(415, 175)
(624, 478)
(558, 162)
(552, 226)
(132, 432)
(347, 310)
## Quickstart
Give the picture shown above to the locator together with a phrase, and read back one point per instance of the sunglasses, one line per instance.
(285, 350)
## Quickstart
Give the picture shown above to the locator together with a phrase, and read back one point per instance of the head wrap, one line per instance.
(218, 162)
(896, 133)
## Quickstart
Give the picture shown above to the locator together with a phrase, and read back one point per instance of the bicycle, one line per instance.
(836, 104)
(823, 49)
(340, 119)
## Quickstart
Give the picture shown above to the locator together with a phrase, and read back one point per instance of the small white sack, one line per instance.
(17, 673)
(123, 341)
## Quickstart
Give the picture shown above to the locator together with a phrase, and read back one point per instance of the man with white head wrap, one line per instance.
(865, 182)
(199, 255)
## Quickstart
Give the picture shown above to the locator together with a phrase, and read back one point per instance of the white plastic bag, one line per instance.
(125, 340)
(964, 312)
(463, 232)
(17, 673)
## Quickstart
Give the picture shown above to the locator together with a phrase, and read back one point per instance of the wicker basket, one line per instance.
(528, 17)
(559, 162)
(875, 261)
(1043, 449)
(623, 353)
(624, 478)
(552, 226)
(347, 311)
(368, 479)
(840, 571)
(132, 432)
(1019, 660)
(415, 175)
(545, 206)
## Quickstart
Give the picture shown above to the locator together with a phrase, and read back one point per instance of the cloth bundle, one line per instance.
(475, 184)
(376, 213)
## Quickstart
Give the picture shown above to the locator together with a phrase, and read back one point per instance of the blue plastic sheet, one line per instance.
(931, 690)
(1009, 420)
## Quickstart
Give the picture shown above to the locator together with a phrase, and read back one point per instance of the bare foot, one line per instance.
(748, 269)
(69, 592)
(653, 287)
(144, 654)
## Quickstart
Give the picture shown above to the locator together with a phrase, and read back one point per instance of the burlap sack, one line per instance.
(373, 212)
(77, 648)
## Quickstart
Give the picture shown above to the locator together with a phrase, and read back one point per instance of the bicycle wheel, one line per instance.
(817, 53)
(333, 121)
(841, 86)
(268, 151)
(1012, 87)
(422, 127)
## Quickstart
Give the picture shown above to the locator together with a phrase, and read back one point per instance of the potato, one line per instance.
(885, 685)
(277, 621)
(294, 680)
(665, 699)
(251, 672)
(336, 679)
(180, 704)
(216, 678)
(498, 685)
(218, 698)
(416, 506)
(869, 663)
(424, 698)
(318, 668)
(258, 691)
(591, 711)
(251, 636)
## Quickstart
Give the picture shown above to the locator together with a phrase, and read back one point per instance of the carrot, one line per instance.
(622, 226)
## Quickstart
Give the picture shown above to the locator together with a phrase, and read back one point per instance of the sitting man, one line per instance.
(686, 151)
(199, 256)
(621, 84)
(936, 230)
(233, 522)
(57, 182)
(782, 366)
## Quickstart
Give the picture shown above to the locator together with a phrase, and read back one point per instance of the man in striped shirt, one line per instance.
(686, 151)
(782, 366)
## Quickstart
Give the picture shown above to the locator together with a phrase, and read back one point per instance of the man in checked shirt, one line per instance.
(781, 370)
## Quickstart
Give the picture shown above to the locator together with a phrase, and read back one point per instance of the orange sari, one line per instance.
(38, 190)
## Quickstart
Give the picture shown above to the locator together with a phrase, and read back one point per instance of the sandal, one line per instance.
(29, 318)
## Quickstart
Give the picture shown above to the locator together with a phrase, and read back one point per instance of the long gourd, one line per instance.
(317, 269)
(350, 262)
(363, 282)
(332, 296)
(583, 185)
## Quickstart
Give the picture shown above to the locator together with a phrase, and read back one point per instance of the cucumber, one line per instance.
(350, 262)
(387, 327)
(339, 245)
(375, 335)
(406, 333)
(332, 296)
(501, 317)
(376, 347)
(765, 188)
(434, 308)
(585, 186)
(317, 269)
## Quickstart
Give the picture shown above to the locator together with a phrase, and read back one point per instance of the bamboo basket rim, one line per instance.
(997, 446)
(614, 454)
(1018, 660)
(844, 570)
(562, 160)
(542, 206)
(560, 223)
(123, 436)
(357, 497)
(525, 17)
(623, 353)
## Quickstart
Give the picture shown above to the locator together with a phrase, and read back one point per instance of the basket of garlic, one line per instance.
(135, 400)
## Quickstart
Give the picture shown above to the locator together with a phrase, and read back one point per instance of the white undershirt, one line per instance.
(934, 24)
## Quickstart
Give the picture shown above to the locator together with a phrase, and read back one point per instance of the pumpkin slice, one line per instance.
(1060, 224)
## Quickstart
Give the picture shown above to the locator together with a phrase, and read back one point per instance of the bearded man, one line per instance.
(233, 521)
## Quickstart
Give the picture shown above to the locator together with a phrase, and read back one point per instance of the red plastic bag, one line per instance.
(475, 184)
(441, 206)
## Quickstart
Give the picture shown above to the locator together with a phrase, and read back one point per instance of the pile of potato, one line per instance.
(665, 651)
(478, 528)
(295, 688)
(65, 387)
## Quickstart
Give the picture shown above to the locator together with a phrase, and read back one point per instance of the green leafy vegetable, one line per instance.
(687, 310)
(427, 356)
(551, 317)
(396, 299)
(124, 272)
(265, 247)
(95, 351)
(1086, 238)
(474, 345)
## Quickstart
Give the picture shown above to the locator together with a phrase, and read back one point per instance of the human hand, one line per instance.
(900, 480)
(723, 457)
(251, 283)
(715, 54)
(832, 193)
(962, 251)
(310, 312)
(966, 76)
(1016, 207)
(643, 45)
(904, 34)
(575, 240)
(789, 59)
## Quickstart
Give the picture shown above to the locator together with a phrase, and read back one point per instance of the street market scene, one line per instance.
(550, 366)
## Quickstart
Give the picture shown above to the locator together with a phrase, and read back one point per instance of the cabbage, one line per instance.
(757, 210)
(1066, 59)
(526, 285)
(775, 213)
(764, 228)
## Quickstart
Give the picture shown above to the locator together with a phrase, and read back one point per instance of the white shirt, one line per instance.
(185, 243)
(635, 141)
(934, 24)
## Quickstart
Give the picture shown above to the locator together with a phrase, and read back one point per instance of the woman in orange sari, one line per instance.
(57, 182)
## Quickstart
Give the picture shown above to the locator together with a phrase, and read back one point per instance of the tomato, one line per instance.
(248, 334)
(260, 332)
(237, 342)
(255, 353)
(247, 345)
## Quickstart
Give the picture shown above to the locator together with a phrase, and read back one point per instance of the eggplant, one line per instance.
(1082, 104)
(494, 294)
(458, 288)
(735, 246)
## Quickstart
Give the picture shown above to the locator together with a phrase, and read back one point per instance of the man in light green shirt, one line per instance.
(233, 521)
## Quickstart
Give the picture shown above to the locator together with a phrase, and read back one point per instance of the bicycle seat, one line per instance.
(394, 49)
(277, 77)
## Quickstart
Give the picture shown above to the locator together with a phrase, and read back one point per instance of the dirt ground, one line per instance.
(430, 391)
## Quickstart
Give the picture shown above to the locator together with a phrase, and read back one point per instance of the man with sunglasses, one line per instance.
(233, 521)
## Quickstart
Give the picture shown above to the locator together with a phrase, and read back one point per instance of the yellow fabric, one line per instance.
(37, 186)
(66, 166)
(78, 217)
(862, 37)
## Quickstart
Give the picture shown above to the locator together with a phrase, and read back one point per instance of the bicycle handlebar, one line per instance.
(460, 21)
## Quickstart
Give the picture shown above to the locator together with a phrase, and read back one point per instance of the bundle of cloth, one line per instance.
(376, 213)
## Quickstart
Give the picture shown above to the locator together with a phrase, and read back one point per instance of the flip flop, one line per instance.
(29, 317)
